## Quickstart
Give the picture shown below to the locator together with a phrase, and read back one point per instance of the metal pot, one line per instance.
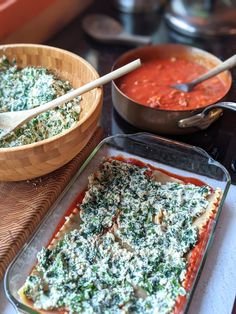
(158, 120)
(137, 6)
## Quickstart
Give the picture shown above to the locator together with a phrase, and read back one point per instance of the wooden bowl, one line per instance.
(33, 160)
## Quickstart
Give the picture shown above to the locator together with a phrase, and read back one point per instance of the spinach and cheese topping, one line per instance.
(129, 254)
(23, 89)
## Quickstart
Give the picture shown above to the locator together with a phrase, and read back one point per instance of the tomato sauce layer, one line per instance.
(150, 84)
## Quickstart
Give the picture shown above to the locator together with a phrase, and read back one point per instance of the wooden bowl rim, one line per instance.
(98, 90)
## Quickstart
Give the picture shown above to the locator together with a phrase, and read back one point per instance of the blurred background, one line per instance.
(37, 21)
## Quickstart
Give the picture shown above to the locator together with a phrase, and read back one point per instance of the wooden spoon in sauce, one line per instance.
(226, 65)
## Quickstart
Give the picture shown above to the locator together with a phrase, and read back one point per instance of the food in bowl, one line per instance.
(150, 85)
(138, 236)
(29, 87)
(37, 159)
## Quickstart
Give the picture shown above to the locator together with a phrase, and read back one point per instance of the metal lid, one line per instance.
(202, 18)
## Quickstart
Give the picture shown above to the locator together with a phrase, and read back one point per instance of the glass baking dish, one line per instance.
(174, 157)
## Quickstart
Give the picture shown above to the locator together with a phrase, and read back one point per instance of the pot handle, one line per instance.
(204, 119)
(200, 121)
(224, 104)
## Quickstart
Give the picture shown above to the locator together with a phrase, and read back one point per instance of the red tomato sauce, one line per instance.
(68, 212)
(149, 85)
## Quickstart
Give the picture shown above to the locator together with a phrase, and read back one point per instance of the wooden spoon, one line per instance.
(226, 65)
(106, 29)
(12, 120)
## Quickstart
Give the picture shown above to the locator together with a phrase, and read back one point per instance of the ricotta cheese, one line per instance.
(129, 253)
(22, 89)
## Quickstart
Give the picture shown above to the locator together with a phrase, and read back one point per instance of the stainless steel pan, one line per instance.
(165, 121)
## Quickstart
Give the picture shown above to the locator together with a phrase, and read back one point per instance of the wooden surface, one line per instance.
(33, 160)
(24, 204)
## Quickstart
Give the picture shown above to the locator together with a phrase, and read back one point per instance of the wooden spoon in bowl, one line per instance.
(14, 119)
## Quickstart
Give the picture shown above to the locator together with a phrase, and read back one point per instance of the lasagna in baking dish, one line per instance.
(131, 245)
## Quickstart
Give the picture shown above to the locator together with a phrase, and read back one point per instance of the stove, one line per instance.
(219, 140)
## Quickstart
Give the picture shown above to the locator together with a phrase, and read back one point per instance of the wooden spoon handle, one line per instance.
(85, 88)
(133, 39)
(226, 65)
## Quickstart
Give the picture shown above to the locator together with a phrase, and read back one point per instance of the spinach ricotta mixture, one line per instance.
(129, 253)
(22, 89)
